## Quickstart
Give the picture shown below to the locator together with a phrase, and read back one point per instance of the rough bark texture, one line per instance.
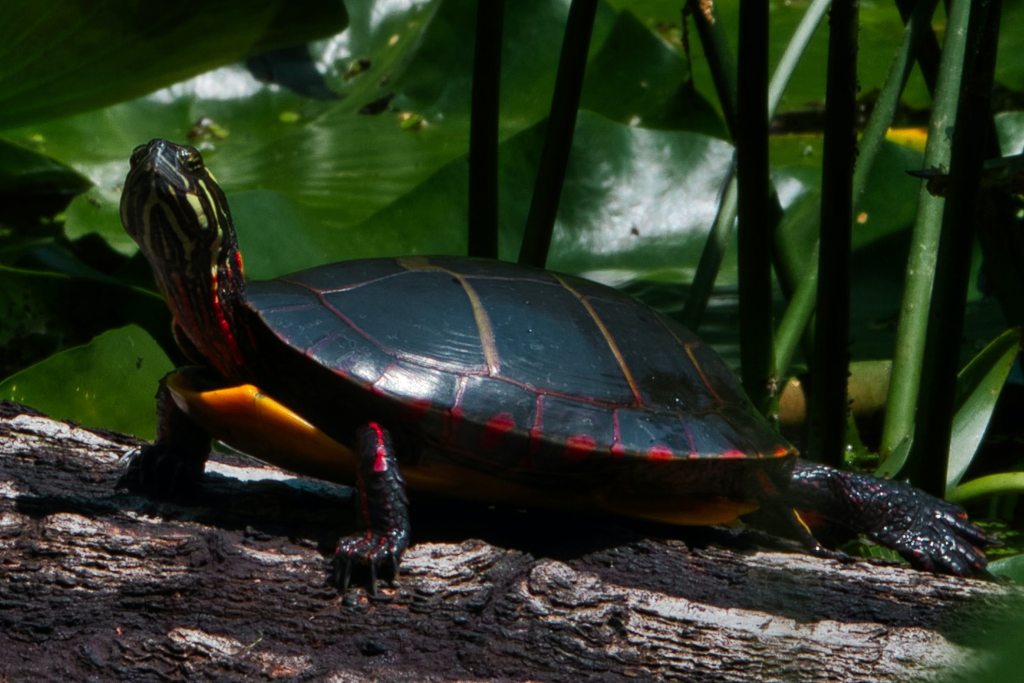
(96, 584)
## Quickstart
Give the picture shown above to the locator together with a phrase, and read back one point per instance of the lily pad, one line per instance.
(41, 313)
(103, 384)
(58, 58)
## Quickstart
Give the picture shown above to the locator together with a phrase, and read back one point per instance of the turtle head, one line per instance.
(173, 208)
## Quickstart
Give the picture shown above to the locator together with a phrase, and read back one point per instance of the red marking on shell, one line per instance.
(617, 450)
(781, 451)
(495, 429)
(380, 460)
(579, 446)
(501, 423)
(733, 454)
(238, 261)
(660, 452)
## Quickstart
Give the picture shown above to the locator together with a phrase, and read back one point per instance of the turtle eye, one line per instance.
(191, 159)
(137, 155)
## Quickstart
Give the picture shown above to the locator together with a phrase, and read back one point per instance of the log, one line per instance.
(231, 585)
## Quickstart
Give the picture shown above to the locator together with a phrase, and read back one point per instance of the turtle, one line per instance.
(472, 378)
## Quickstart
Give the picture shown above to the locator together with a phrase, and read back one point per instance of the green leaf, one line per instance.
(43, 312)
(104, 384)
(22, 170)
(62, 57)
(635, 200)
(977, 391)
(989, 485)
(262, 217)
(996, 639)
(1009, 567)
(642, 82)
(978, 387)
(34, 185)
(1010, 128)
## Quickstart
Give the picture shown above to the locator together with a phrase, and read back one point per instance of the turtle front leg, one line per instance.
(929, 533)
(383, 510)
(173, 465)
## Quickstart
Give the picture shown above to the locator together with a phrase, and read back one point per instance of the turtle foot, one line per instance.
(377, 554)
(158, 471)
(930, 533)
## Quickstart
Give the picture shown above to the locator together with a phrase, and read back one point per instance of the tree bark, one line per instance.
(231, 585)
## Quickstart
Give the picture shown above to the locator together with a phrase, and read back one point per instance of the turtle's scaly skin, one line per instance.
(470, 378)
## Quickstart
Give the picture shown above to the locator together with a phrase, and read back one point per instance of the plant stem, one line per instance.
(554, 157)
(797, 315)
(918, 25)
(711, 256)
(716, 52)
(483, 130)
(972, 33)
(830, 359)
(928, 52)
(755, 236)
(720, 62)
(804, 299)
(794, 51)
(913, 326)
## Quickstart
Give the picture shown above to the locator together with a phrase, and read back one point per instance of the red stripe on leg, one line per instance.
(380, 463)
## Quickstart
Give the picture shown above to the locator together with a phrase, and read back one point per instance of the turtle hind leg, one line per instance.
(172, 466)
(929, 533)
(383, 509)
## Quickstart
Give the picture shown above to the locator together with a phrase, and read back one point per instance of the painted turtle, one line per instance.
(470, 378)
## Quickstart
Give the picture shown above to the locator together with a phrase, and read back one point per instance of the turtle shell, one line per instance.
(521, 374)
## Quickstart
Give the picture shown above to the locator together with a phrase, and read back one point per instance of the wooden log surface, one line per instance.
(105, 585)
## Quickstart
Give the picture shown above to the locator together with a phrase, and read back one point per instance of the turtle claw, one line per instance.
(379, 554)
(173, 466)
(936, 536)
(160, 471)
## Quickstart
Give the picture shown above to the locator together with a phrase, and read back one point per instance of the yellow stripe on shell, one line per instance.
(688, 347)
(485, 330)
(613, 346)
